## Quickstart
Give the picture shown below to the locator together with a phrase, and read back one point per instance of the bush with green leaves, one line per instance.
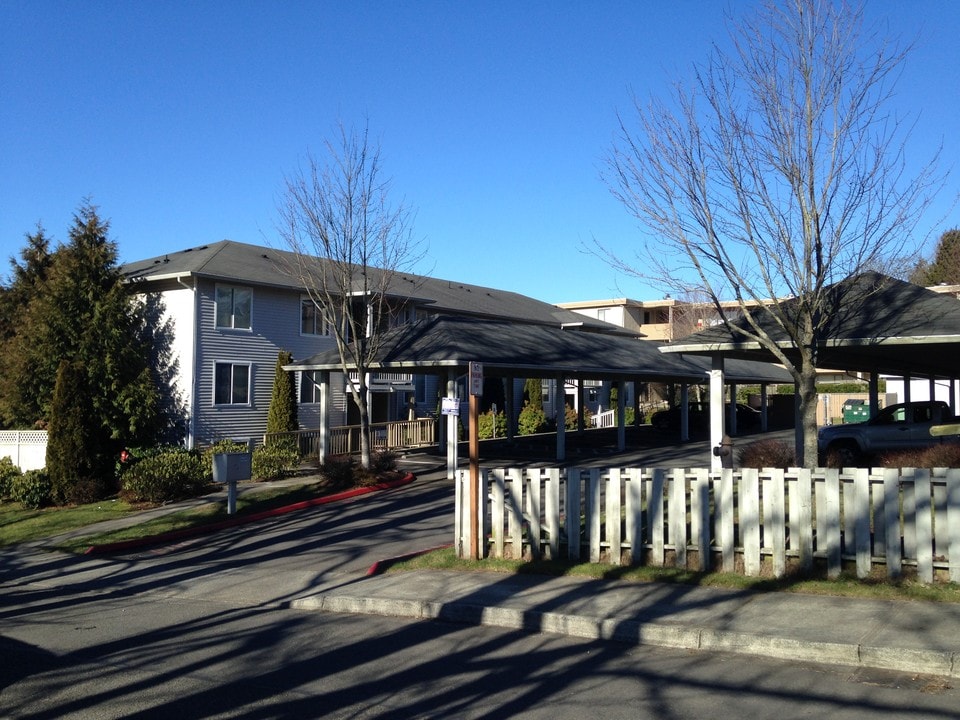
(274, 461)
(32, 489)
(531, 420)
(487, 422)
(8, 471)
(173, 474)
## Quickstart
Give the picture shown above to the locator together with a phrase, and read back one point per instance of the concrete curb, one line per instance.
(635, 632)
(175, 535)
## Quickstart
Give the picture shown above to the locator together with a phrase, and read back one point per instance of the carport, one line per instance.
(876, 324)
(446, 345)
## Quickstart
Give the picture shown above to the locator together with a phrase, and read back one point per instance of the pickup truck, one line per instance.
(904, 426)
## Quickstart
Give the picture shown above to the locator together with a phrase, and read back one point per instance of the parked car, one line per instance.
(699, 417)
(904, 426)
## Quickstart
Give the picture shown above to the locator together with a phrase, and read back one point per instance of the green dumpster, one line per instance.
(855, 411)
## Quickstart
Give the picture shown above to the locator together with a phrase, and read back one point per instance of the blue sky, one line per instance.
(181, 119)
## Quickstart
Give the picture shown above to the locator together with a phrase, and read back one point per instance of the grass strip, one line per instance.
(196, 518)
(843, 586)
(18, 525)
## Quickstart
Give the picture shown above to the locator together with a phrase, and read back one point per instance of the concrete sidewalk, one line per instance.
(911, 637)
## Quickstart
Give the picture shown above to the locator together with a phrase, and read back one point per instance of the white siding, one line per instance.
(179, 308)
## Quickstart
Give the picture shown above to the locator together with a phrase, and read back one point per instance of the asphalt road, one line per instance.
(203, 629)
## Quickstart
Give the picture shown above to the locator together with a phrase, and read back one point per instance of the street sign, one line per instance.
(449, 406)
(476, 378)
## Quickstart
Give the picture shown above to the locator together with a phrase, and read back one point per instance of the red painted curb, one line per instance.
(233, 522)
(381, 566)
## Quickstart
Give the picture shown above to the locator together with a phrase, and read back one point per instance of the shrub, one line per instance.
(32, 489)
(172, 474)
(945, 455)
(766, 453)
(271, 462)
(486, 423)
(338, 471)
(384, 461)
(8, 472)
(531, 420)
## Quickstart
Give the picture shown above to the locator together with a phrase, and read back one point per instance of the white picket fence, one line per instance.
(756, 522)
(26, 448)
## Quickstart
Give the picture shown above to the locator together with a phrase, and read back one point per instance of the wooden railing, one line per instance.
(750, 521)
(345, 440)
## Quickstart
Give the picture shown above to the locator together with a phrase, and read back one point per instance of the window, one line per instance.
(309, 392)
(311, 319)
(602, 314)
(234, 306)
(231, 384)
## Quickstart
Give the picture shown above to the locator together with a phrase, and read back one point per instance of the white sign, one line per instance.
(449, 406)
(476, 378)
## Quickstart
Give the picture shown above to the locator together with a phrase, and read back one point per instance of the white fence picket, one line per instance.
(655, 515)
(634, 513)
(750, 520)
(614, 505)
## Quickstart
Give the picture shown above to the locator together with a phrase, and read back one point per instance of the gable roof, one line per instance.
(505, 348)
(230, 261)
(874, 323)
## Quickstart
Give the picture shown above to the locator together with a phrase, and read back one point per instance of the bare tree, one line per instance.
(778, 172)
(350, 244)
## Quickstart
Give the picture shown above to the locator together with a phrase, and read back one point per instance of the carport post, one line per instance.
(621, 419)
(874, 390)
(452, 421)
(323, 441)
(732, 411)
(716, 410)
(764, 418)
(684, 412)
(508, 408)
(560, 415)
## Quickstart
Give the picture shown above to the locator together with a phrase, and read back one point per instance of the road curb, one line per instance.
(636, 632)
(175, 535)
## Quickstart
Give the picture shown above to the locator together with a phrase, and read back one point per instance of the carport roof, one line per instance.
(514, 349)
(876, 323)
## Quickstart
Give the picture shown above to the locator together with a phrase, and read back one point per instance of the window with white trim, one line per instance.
(234, 307)
(312, 321)
(231, 384)
(309, 391)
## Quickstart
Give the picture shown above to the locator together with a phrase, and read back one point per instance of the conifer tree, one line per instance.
(282, 416)
(70, 451)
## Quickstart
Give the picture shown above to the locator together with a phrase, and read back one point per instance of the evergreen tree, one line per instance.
(282, 416)
(70, 456)
(533, 390)
(945, 268)
(84, 312)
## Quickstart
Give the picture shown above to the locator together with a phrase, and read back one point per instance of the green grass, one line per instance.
(844, 586)
(213, 512)
(18, 525)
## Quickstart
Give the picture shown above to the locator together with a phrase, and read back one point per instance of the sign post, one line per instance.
(476, 390)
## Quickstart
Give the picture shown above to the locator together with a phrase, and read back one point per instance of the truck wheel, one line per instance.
(843, 454)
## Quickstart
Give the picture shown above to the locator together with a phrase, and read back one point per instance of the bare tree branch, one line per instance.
(778, 171)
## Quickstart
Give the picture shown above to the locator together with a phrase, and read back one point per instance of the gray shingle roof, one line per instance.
(507, 348)
(874, 323)
(231, 261)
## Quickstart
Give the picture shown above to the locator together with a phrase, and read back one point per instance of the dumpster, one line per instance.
(855, 411)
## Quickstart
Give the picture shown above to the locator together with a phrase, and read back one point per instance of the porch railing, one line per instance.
(345, 440)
